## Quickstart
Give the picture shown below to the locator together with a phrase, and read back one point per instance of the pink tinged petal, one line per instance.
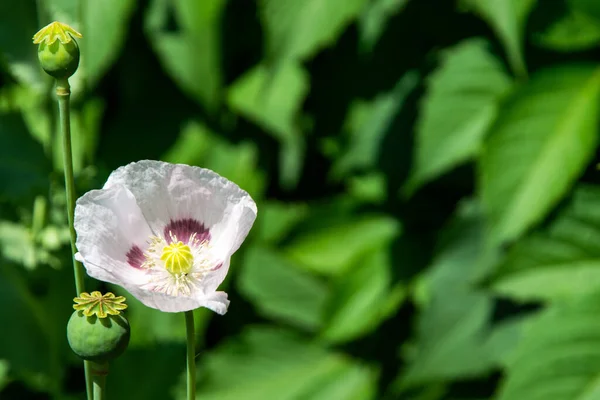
(183, 229)
(170, 192)
(135, 256)
(108, 223)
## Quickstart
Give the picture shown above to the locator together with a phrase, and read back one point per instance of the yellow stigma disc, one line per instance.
(178, 258)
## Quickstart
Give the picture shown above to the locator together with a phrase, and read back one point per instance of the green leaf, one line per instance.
(198, 145)
(103, 25)
(367, 123)
(461, 104)
(273, 98)
(277, 220)
(454, 322)
(18, 24)
(24, 167)
(268, 363)
(331, 250)
(557, 357)
(589, 7)
(561, 260)
(192, 54)
(281, 290)
(297, 29)
(546, 135)
(25, 338)
(508, 19)
(373, 20)
(362, 298)
(573, 31)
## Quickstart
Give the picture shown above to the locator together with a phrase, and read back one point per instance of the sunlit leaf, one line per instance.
(368, 123)
(281, 290)
(272, 98)
(558, 355)
(455, 319)
(333, 249)
(362, 298)
(462, 102)
(540, 144)
(269, 363)
(573, 31)
(373, 20)
(296, 29)
(561, 260)
(277, 219)
(191, 55)
(508, 19)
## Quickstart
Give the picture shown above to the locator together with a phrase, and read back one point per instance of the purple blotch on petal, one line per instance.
(135, 257)
(184, 228)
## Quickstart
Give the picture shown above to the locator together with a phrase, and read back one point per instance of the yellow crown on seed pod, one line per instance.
(98, 304)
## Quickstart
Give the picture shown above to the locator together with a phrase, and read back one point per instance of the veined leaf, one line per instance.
(507, 18)
(362, 298)
(558, 355)
(539, 145)
(192, 55)
(281, 290)
(560, 261)
(333, 249)
(297, 29)
(461, 104)
(455, 319)
(269, 363)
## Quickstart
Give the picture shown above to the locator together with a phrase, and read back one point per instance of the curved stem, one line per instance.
(63, 92)
(191, 355)
(99, 372)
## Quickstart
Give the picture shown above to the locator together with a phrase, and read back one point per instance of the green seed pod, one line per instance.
(98, 339)
(58, 51)
(97, 331)
(59, 60)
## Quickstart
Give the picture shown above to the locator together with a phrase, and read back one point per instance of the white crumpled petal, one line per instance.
(145, 199)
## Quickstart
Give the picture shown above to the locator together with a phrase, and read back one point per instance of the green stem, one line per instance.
(191, 355)
(99, 372)
(63, 92)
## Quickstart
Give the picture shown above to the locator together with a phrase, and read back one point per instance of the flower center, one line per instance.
(178, 258)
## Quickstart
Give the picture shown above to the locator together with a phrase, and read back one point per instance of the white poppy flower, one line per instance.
(165, 232)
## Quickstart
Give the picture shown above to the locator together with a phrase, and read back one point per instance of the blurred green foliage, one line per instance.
(425, 173)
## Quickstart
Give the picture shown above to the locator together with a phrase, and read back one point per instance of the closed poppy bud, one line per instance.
(58, 51)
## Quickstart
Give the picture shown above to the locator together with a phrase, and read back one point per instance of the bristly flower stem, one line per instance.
(63, 93)
(191, 355)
